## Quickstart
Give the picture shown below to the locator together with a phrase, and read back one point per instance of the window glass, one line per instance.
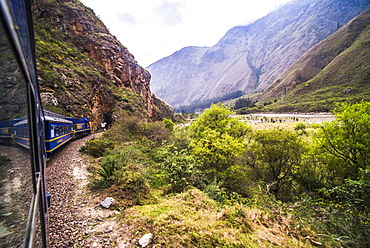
(15, 166)
(52, 131)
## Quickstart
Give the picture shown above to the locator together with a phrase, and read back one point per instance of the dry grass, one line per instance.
(191, 219)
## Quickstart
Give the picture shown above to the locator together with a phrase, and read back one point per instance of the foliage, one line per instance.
(130, 104)
(157, 132)
(345, 143)
(97, 147)
(204, 104)
(109, 166)
(217, 140)
(217, 192)
(133, 128)
(219, 119)
(273, 156)
(244, 103)
(351, 204)
(300, 128)
(122, 173)
(169, 124)
(261, 187)
(180, 168)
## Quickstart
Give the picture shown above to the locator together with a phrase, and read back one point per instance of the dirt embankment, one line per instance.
(76, 218)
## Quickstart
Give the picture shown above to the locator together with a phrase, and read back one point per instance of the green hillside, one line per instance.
(335, 70)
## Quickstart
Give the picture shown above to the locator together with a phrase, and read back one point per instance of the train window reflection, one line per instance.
(15, 165)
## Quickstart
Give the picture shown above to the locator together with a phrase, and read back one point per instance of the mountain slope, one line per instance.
(84, 70)
(249, 58)
(337, 69)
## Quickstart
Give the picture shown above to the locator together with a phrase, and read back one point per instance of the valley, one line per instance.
(293, 52)
(288, 168)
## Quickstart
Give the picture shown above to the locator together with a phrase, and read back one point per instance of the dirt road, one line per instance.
(76, 218)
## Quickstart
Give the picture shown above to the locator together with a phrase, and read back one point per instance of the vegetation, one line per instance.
(203, 104)
(221, 183)
(244, 103)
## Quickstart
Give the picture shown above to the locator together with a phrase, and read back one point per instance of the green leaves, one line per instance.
(346, 141)
(219, 119)
(217, 140)
(274, 154)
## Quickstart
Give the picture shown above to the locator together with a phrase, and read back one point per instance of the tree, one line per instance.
(273, 155)
(345, 142)
(217, 139)
(221, 120)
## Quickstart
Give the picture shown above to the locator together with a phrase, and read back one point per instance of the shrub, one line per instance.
(300, 128)
(97, 147)
(178, 168)
(273, 156)
(169, 124)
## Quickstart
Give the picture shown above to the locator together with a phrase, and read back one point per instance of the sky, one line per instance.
(154, 29)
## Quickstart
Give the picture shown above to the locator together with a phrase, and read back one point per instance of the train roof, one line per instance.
(8, 123)
(21, 122)
(77, 119)
(46, 118)
(53, 114)
(57, 119)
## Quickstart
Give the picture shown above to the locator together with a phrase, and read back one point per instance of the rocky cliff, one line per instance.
(249, 58)
(83, 69)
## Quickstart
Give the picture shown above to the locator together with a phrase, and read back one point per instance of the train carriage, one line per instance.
(6, 131)
(21, 135)
(81, 126)
(58, 131)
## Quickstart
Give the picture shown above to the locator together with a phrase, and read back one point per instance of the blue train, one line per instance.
(81, 126)
(23, 121)
(58, 130)
(6, 131)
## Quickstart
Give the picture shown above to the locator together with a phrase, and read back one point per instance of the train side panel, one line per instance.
(57, 133)
(6, 131)
(21, 135)
(81, 126)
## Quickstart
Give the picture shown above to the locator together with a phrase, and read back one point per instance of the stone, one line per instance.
(145, 240)
(107, 202)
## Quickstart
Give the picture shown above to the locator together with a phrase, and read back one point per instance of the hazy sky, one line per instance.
(153, 29)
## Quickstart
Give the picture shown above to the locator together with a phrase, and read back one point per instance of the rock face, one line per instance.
(249, 58)
(92, 66)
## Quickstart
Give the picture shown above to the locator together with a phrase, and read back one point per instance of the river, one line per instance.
(298, 117)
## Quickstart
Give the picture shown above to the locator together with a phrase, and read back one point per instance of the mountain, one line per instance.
(336, 69)
(84, 70)
(249, 58)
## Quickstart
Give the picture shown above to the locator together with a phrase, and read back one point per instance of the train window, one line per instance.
(52, 131)
(16, 187)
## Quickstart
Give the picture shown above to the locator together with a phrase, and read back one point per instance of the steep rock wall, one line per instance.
(108, 65)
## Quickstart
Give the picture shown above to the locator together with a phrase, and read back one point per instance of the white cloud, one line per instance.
(153, 29)
(169, 13)
(127, 18)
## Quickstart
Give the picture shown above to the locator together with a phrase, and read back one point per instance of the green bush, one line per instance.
(97, 147)
(300, 128)
(169, 124)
